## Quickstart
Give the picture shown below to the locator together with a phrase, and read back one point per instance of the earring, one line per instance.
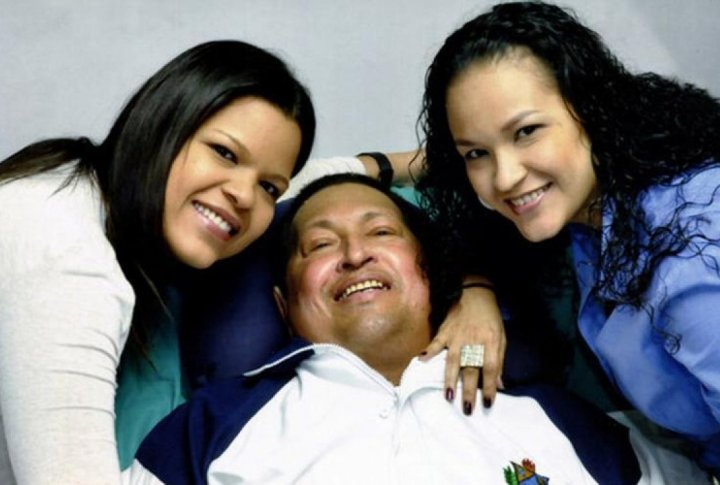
(485, 204)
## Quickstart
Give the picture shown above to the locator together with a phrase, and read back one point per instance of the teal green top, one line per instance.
(147, 392)
(408, 193)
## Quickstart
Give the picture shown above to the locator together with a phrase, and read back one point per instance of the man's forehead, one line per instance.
(327, 221)
(339, 203)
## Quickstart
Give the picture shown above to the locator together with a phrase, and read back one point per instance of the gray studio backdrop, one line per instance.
(67, 66)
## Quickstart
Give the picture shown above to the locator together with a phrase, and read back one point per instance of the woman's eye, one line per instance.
(474, 154)
(526, 131)
(271, 189)
(224, 152)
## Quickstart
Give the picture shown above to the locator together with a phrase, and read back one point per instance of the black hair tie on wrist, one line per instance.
(478, 284)
(386, 171)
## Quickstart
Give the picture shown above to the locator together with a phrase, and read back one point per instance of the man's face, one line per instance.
(354, 278)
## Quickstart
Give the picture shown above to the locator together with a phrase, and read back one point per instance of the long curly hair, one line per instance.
(644, 130)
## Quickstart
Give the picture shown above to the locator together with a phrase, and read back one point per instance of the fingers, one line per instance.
(474, 320)
(491, 372)
(452, 368)
(436, 346)
(489, 383)
(470, 379)
(489, 376)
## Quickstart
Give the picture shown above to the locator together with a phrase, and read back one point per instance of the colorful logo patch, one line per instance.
(523, 474)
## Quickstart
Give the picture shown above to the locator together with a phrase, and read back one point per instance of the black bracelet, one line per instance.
(386, 172)
(478, 284)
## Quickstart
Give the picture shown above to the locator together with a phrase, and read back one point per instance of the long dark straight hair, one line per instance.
(131, 166)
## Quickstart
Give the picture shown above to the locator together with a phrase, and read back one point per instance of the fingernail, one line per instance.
(467, 408)
(449, 394)
(487, 402)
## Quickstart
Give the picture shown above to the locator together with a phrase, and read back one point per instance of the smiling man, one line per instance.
(355, 278)
(355, 406)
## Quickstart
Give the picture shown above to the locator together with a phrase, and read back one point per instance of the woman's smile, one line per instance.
(525, 153)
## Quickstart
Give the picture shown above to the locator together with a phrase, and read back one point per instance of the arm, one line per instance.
(65, 309)
(475, 319)
(401, 163)
(690, 314)
(405, 166)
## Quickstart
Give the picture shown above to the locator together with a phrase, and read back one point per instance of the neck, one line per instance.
(389, 361)
(592, 212)
(392, 371)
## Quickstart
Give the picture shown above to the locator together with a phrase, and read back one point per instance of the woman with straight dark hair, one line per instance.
(92, 236)
(536, 135)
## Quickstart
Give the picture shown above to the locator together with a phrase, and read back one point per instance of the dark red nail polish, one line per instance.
(449, 394)
(487, 402)
(467, 408)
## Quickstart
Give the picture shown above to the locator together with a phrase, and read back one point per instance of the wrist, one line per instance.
(478, 284)
(385, 171)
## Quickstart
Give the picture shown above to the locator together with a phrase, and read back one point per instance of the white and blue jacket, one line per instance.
(318, 414)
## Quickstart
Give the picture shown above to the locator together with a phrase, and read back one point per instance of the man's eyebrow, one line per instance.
(325, 223)
(375, 214)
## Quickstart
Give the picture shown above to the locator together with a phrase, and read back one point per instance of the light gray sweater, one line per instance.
(65, 312)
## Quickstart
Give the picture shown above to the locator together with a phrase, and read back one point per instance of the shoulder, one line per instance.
(691, 194)
(48, 214)
(203, 428)
(52, 234)
(53, 193)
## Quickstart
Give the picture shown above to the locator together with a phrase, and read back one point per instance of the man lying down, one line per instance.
(347, 402)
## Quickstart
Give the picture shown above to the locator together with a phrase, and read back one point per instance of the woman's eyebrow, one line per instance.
(238, 144)
(518, 118)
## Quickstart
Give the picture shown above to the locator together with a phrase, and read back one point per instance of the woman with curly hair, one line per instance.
(537, 135)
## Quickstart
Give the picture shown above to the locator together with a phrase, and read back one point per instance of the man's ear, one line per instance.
(280, 302)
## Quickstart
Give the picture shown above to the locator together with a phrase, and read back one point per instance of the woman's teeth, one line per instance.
(527, 198)
(214, 217)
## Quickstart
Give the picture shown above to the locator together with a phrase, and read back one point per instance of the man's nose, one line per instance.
(356, 254)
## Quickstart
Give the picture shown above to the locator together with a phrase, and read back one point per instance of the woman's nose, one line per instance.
(509, 171)
(240, 190)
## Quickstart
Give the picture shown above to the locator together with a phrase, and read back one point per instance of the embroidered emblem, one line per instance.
(523, 474)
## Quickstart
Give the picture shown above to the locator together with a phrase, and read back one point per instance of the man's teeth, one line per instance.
(219, 221)
(362, 286)
(527, 198)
